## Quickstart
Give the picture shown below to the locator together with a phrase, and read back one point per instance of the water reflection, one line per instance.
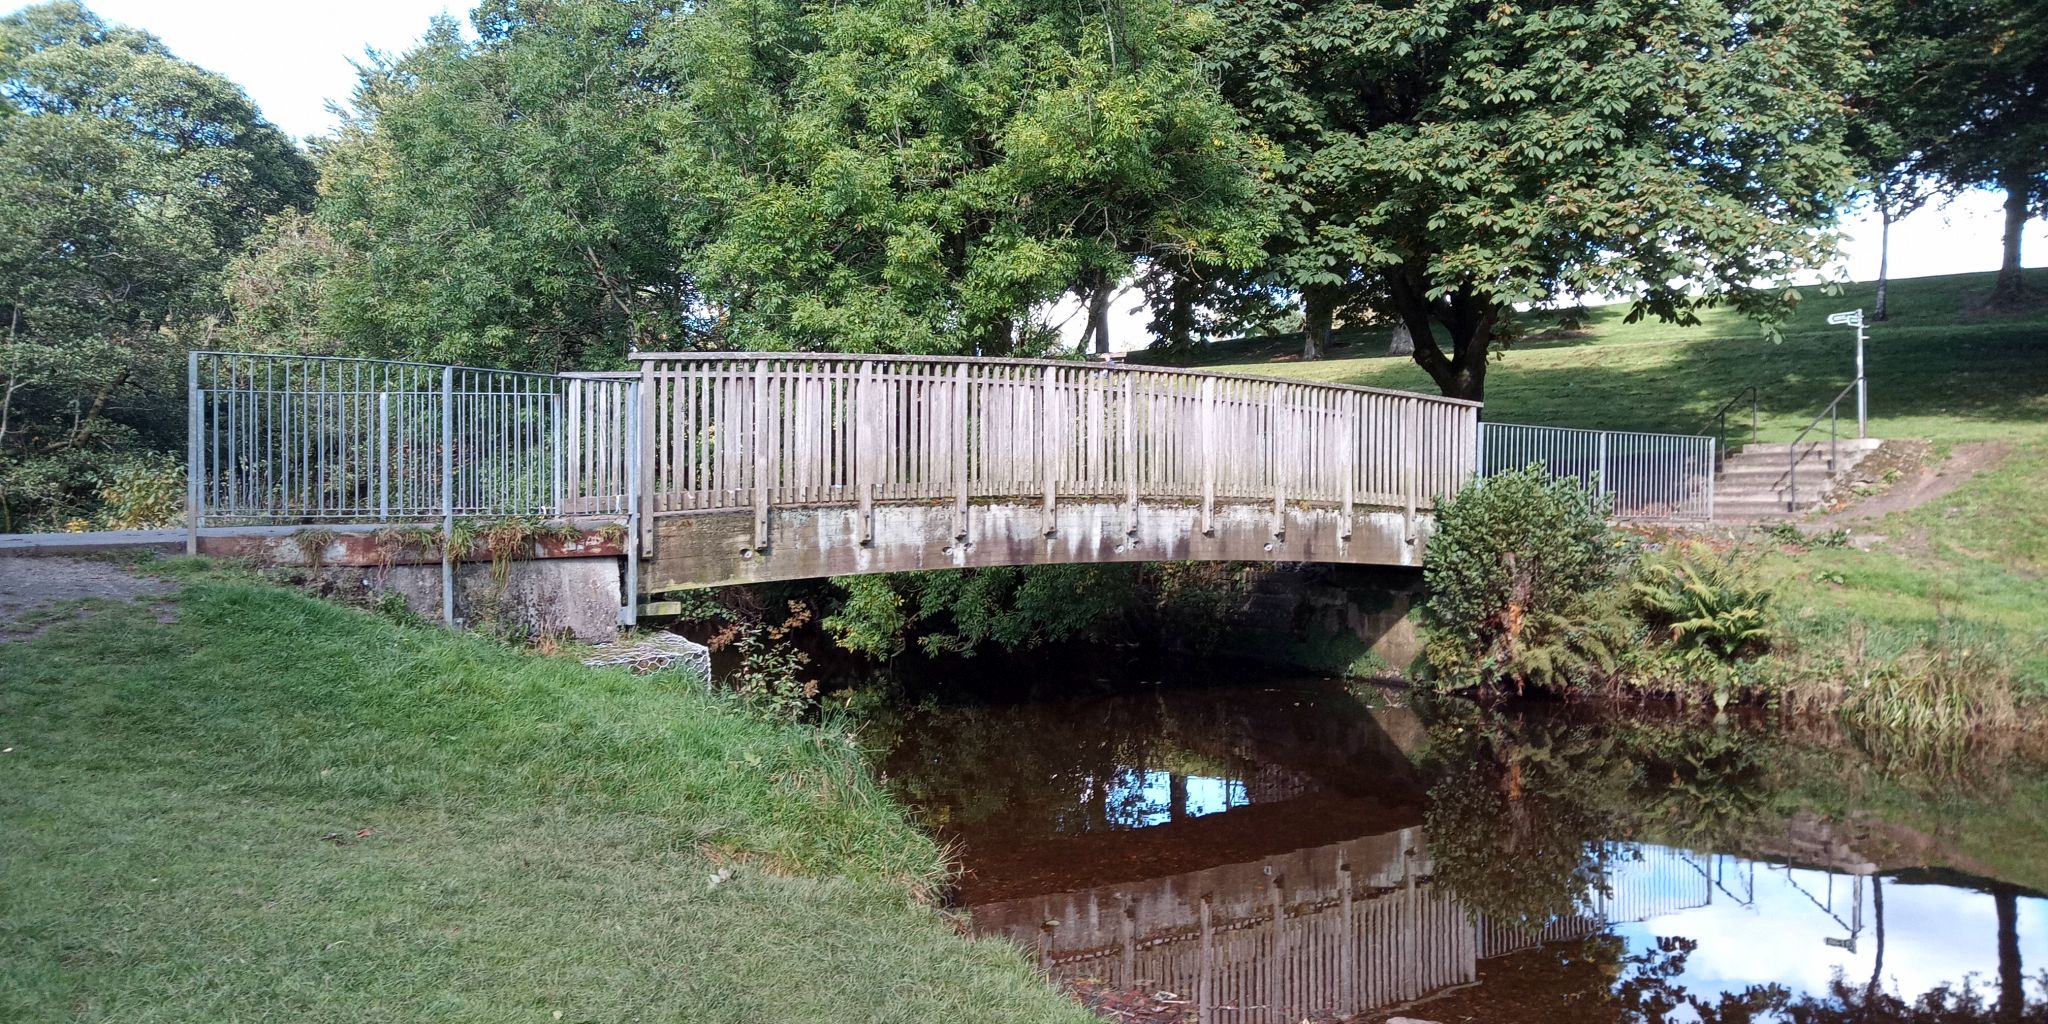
(1252, 855)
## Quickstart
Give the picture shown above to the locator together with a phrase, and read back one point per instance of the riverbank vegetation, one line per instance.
(1931, 568)
(250, 803)
(1530, 586)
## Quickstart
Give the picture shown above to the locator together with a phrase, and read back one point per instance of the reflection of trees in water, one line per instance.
(1521, 811)
(1602, 980)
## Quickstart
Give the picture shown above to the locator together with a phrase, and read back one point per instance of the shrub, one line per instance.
(146, 492)
(1515, 572)
(1702, 602)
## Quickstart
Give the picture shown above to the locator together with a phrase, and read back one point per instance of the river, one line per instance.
(1288, 850)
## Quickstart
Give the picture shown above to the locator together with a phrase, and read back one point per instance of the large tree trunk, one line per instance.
(1884, 259)
(1320, 310)
(1098, 312)
(1180, 311)
(1467, 314)
(2009, 287)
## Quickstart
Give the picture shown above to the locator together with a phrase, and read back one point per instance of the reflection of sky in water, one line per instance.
(1141, 798)
(1786, 927)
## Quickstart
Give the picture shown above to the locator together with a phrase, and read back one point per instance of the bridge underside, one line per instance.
(712, 549)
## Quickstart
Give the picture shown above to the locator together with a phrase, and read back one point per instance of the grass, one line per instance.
(1939, 370)
(273, 807)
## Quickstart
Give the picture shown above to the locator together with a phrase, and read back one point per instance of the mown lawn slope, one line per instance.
(272, 808)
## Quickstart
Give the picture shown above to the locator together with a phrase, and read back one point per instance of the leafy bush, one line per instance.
(1703, 602)
(1516, 571)
(146, 492)
(966, 611)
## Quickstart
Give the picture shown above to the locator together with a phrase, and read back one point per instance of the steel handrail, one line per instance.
(1829, 413)
(1720, 418)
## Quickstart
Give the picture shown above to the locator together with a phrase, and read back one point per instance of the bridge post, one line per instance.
(1348, 461)
(645, 396)
(1409, 435)
(961, 437)
(1276, 408)
(1209, 456)
(195, 471)
(1130, 456)
(863, 457)
(448, 496)
(761, 455)
(1049, 445)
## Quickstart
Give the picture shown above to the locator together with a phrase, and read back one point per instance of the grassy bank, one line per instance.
(1974, 560)
(268, 807)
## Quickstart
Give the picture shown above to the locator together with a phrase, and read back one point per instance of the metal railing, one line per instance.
(1648, 476)
(1792, 455)
(1721, 423)
(318, 439)
(311, 439)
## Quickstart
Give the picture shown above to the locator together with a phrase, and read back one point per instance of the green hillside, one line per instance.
(1940, 370)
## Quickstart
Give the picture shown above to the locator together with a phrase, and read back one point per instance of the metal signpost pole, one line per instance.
(1854, 318)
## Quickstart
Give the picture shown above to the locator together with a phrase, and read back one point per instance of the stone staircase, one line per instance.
(1754, 482)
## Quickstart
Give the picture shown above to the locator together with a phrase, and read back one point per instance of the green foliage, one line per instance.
(1515, 572)
(1976, 71)
(145, 492)
(1704, 602)
(758, 629)
(498, 201)
(127, 176)
(1943, 688)
(894, 175)
(1445, 161)
(967, 611)
(871, 620)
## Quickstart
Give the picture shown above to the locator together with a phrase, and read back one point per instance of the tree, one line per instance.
(1982, 82)
(896, 175)
(1461, 158)
(1892, 133)
(127, 176)
(502, 199)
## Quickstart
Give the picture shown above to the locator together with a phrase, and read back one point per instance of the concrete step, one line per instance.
(1781, 449)
(1726, 507)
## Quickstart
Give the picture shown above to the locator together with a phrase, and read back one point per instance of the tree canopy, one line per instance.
(127, 177)
(894, 175)
(1974, 88)
(1445, 160)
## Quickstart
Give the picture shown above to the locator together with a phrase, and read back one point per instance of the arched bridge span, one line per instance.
(727, 468)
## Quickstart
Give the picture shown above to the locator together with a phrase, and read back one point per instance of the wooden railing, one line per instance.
(753, 431)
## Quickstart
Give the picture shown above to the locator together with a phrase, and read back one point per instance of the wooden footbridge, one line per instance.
(730, 468)
(734, 468)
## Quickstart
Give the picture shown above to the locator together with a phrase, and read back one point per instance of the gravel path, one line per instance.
(30, 586)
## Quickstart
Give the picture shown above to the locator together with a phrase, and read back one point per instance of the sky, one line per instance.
(293, 57)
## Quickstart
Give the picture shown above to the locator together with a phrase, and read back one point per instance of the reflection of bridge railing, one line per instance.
(1283, 949)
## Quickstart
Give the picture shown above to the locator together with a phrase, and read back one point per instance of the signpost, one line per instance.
(1854, 318)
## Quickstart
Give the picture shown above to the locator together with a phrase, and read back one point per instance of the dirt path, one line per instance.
(34, 591)
(1921, 481)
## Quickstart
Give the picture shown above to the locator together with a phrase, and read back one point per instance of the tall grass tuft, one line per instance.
(1950, 683)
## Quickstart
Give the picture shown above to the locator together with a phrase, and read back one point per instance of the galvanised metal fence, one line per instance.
(311, 439)
(1648, 476)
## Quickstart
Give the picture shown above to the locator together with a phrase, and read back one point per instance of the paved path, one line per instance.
(169, 542)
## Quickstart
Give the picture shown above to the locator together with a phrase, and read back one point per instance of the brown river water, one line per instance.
(1281, 850)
